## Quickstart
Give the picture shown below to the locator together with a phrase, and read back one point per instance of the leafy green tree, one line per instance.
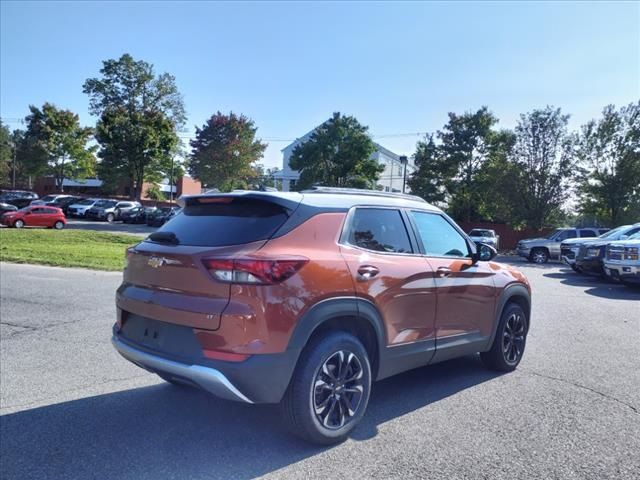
(466, 146)
(56, 144)
(431, 173)
(609, 154)
(224, 151)
(7, 149)
(544, 153)
(154, 192)
(337, 154)
(139, 114)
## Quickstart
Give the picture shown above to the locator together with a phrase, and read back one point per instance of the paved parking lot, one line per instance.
(115, 227)
(72, 408)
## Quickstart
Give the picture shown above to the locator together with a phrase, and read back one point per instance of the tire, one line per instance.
(59, 225)
(18, 223)
(575, 268)
(505, 353)
(110, 217)
(314, 409)
(539, 255)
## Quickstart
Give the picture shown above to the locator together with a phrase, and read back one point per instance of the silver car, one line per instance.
(540, 250)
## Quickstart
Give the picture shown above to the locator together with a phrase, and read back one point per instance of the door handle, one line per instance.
(367, 272)
(443, 272)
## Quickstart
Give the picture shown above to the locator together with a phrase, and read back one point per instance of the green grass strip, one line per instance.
(66, 248)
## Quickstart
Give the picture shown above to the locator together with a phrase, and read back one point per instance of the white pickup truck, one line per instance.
(622, 260)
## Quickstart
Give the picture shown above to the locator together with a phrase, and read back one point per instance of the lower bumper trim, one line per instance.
(207, 378)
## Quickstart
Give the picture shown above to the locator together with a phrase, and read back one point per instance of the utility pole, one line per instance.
(404, 160)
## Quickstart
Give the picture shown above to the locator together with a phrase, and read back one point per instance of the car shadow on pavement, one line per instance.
(163, 431)
(596, 286)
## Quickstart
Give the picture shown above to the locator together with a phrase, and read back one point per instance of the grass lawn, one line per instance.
(66, 248)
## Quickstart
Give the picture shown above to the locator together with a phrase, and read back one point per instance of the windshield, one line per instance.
(86, 202)
(614, 232)
(635, 236)
(48, 198)
(481, 233)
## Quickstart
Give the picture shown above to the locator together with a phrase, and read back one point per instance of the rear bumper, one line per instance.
(207, 378)
(262, 378)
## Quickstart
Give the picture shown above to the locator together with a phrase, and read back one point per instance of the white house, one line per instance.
(390, 179)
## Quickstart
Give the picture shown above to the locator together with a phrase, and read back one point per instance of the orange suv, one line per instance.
(305, 299)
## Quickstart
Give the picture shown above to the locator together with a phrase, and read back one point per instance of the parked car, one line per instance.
(483, 235)
(79, 208)
(18, 198)
(64, 203)
(110, 210)
(622, 260)
(137, 214)
(50, 199)
(540, 250)
(7, 207)
(161, 216)
(35, 216)
(17, 194)
(570, 249)
(307, 298)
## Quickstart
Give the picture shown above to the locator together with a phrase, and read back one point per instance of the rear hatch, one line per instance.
(166, 279)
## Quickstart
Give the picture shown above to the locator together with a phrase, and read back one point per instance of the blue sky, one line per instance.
(398, 67)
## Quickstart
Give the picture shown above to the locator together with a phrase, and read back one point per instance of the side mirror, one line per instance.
(485, 253)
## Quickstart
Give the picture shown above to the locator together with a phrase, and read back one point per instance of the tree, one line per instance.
(224, 151)
(466, 146)
(609, 154)
(428, 179)
(337, 154)
(544, 153)
(139, 116)
(7, 150)
(56, 144)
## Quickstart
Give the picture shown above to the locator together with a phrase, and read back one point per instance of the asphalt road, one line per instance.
(71, 408)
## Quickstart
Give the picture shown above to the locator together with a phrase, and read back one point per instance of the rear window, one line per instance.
(230, 221)
(481, 233)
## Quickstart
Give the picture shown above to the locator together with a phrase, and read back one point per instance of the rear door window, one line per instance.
(588, 233)
(220, 221)
(379, 229)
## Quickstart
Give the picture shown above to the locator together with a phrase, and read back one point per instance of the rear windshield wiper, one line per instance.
(164, 237)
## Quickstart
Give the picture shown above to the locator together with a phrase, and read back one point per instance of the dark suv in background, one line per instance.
(307, 298)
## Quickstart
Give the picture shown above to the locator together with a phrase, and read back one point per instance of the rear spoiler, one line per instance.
(287, 200)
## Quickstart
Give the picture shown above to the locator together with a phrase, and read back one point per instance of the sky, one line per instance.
(398, 67)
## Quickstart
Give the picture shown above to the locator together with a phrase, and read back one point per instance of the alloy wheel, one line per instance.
(513, 338)
(539, 256)
(338, 389)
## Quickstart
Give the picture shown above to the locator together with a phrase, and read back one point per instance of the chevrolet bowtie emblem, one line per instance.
(157, 262)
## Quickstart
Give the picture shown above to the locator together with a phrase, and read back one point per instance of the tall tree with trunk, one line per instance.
(224, 152)
(544, 152)
(56, 144)
(139, 114)
(337, 154)
(609, 156)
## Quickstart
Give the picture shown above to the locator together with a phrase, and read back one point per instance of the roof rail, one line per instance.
(361, 191)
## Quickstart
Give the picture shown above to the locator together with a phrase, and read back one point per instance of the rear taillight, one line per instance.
(254, 270)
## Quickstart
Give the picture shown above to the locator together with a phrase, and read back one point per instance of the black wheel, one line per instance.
(510, 341)
(59, 225)
(329, 391)
(539, 255)
(18, 224)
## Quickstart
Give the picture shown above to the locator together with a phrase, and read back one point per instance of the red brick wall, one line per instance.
(188, 186)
